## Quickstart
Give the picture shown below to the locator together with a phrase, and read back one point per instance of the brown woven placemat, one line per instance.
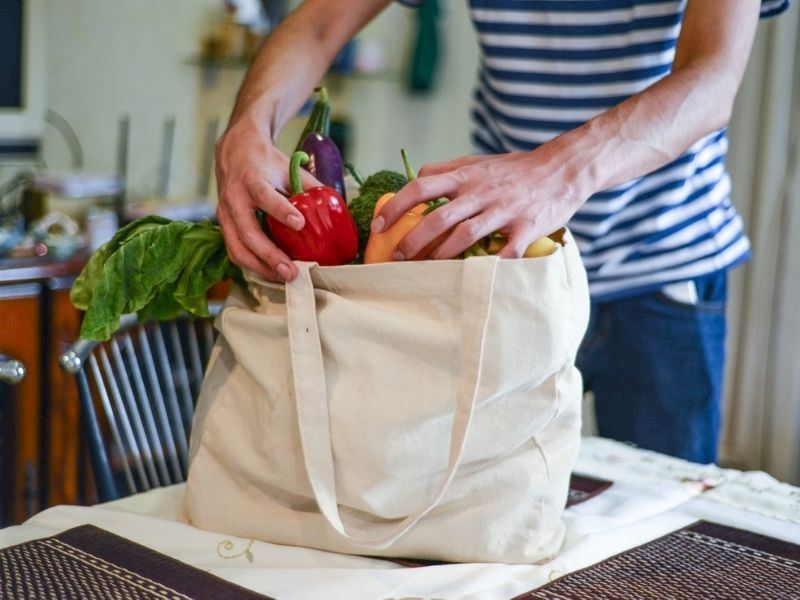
(583, 488)
(89, 562)
(703, 561)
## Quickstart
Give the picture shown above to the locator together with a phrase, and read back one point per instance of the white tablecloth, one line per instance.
(651, 496)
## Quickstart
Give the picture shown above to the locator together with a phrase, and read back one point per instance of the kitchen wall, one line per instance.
(110, 57)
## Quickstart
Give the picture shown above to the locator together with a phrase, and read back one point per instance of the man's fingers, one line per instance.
(238, 253)
(244, 258)
(275, 205)
(308, 180)
(468, 232)
(418, 191)
(248, 234)
(521, 237)
(279, 177)
(435, 225)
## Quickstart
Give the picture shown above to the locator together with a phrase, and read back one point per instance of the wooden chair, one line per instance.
(137, 393)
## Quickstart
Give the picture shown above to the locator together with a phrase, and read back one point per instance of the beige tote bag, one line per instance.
(423, 409)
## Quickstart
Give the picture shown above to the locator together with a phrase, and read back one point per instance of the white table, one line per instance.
(652, 495)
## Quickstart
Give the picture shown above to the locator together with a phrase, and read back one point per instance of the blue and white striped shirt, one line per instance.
(548, 66)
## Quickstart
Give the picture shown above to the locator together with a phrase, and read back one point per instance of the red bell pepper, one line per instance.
(329, 236)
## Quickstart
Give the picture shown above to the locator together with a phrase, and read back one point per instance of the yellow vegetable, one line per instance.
(541, 247)
(381, 246)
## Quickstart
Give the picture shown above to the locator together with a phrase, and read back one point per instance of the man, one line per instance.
(607, 115)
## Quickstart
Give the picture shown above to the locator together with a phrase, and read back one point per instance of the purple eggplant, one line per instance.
(325, 161)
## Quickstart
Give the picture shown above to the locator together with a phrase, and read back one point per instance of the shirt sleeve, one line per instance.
(771, 8)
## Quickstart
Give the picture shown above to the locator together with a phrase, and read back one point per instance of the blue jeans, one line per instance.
(655, 366)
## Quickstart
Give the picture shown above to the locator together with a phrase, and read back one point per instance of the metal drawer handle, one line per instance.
(11, 371)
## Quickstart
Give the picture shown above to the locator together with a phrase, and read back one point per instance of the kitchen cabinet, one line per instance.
(41, 450)
(12, 372)
(20, 306)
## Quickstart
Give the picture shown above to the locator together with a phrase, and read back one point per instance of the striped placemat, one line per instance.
(705, 561)
(89, 562)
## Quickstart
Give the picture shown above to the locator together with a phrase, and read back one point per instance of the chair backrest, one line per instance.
(137, 393)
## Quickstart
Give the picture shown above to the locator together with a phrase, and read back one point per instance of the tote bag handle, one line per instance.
(478, 278)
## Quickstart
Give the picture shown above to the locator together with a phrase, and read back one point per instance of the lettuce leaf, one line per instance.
(82, 289)
(154, 267)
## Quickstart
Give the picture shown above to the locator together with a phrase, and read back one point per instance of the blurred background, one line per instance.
(106, 61)
(109, 109)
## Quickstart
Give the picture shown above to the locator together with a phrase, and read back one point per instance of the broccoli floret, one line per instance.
(384, 182)
(363, 206)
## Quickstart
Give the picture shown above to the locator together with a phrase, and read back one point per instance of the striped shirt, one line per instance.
(548, 66)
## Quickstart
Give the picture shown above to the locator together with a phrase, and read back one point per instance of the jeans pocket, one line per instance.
(700, 306)
(711, 295)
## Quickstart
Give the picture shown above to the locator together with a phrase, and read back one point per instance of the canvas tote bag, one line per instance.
(424, 409)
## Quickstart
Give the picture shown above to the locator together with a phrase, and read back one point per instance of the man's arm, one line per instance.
(534, 193)
(250, 170)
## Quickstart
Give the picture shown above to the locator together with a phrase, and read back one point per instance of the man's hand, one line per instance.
(525, 195)
(251, 174)
(531, 194)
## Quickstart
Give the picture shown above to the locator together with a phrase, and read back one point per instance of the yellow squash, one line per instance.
(381, 246)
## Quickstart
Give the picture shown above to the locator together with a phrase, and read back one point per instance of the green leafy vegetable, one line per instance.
(85, 283)
(205, 268)
(155, 267)
(363, 206)
(162, 307)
